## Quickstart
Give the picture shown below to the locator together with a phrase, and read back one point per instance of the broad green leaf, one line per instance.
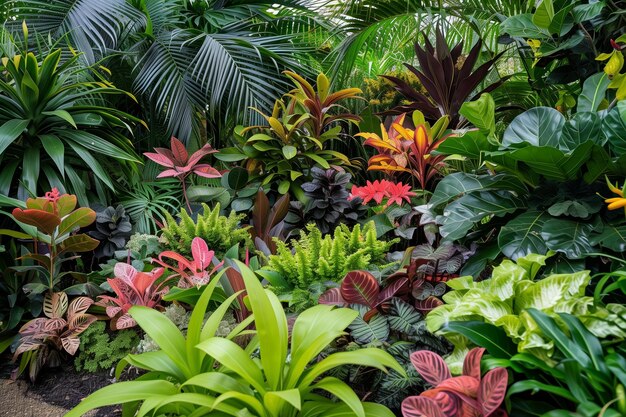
(271, 326)
(471, 144)
(584, 12)
(539, 126)
(459, 183)
(235, 359)
(343, 392)
(522, 26)
(614, 128)
(486, 335)
(61, 114)
(156, 361)
(376, 329)
(164, 333)
(522, 235)
(462, 214)
(275, 401)
(481, 113)
(544, 14)
(81, 217)
(533, 385)
(594, 91)
(123, 392)
(289, 151)
(584, 126)
(567, 236)
(79, 243)
(613, 237)
(10, 131)
(307, 341)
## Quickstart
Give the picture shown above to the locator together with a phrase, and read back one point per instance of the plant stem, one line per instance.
(183, 182)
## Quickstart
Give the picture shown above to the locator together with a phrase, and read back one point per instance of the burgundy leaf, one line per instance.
(42, 220)
(471, 364)
(332, 297)
(360, 287)
(427, 305)
(492, 390)
(449, 404)
(431, 367)
(179, 151)
(464, 386)
(420, 407)
(391, 290)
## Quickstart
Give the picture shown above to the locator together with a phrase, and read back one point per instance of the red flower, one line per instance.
(379, 190)
(399, 192)
(376, 191)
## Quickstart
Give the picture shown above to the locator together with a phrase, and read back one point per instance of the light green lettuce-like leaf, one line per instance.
(546, 293)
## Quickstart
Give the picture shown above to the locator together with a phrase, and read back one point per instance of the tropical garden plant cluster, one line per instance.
(317, 208)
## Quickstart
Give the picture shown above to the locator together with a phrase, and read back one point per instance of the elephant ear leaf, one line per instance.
(539, 126)
(431, 367)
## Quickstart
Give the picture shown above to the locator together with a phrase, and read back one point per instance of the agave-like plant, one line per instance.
(180, 165)
(43, 339)
(132, 288)
(54, 123)
(448, 77)
(468, 395)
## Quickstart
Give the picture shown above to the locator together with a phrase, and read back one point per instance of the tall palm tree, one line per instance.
(189, 58)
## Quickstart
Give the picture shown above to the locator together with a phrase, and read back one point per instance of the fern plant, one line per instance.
(308, 265)
(100, 351)
(219, 232)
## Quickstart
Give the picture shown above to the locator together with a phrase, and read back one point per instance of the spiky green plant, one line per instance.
(219, 232)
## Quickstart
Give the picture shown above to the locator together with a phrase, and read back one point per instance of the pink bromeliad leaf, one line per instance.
(201, 254)
(179, 151)
(431, 367)
(178, 162)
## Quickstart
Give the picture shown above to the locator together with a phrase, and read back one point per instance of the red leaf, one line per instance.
(492, 390)
(464, 386)
(332, 297)
(360, 287)
(206, 171)
(471, 364)
(420, 407)
(179, 151)
(199, 154)
(170, 173)
(449, 404)
(42, 220)
(431, 367)
(391, 290)
(427, 305)
(160, 159)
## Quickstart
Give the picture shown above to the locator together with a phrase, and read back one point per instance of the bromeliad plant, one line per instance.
(192, 273)
(51, 222)
(184, 377)
(43, 340)
(132, 288)
(402, 150)
(468, 395)
(180, 165)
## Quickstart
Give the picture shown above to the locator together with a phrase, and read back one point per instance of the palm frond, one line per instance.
(93, 26)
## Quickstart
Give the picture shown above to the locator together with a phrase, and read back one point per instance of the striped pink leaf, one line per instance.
(492, 390)
(360, 287)
(420, 407)
(431, 367)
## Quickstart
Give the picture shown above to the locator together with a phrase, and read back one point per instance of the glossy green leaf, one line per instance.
(486, 335)
(594, 91)
(522, 235)
(10, 131)
(613, 237)
(567, 236)
(539, 126)
(460, 183)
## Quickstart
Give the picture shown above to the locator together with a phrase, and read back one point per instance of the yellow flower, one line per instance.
(615, 203)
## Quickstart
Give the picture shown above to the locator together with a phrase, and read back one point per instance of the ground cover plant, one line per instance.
(315, 208)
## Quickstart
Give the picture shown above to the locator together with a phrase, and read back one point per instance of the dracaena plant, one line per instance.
(196, 272)
(448, 78)
(296, 137)
(468, 395)
(402, 150)
(56, 127)
(51, 222)
(43, 340)
(132, 288)
(180, 164)
(268, 223)
(184, 377)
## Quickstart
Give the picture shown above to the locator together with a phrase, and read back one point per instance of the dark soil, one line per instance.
(56, 391)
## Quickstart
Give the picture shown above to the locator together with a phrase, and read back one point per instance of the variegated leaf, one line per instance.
(70, 344)
(420, 407)
(492, 390)
(471, 364)
(55, 304)
(78, 306)
(124, 322)
(431, 367)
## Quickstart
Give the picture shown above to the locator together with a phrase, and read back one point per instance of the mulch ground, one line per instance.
(55, 392)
